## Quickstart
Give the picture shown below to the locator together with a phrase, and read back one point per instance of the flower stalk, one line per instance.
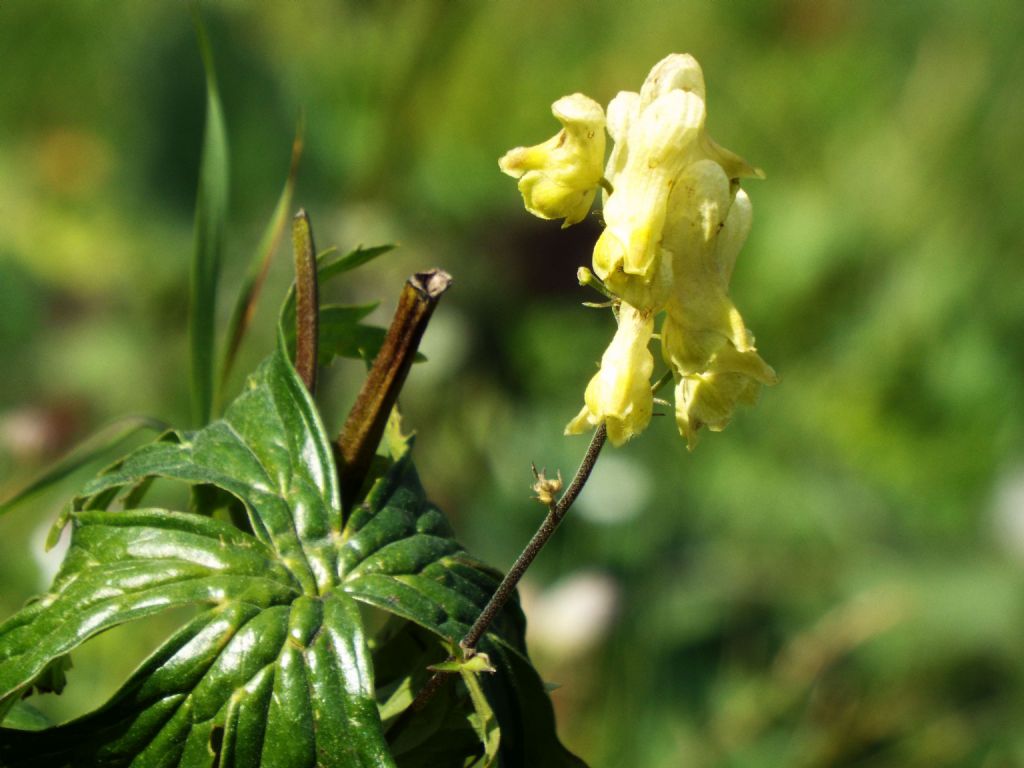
(556, 513)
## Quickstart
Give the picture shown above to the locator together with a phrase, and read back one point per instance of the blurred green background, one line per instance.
(836, 580)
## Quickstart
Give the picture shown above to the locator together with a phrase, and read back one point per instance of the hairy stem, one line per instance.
(556, 513)
(365, 424)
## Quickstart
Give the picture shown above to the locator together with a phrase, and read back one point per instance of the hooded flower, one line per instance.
(659, 135)
(675, 221)
(619, 394)
(559, 178)
(709, 399)
(704, 339)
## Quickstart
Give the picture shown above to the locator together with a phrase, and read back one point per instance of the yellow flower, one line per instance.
(659, 138)
(709, 399)
(675, 221)
(619, 394)
(559, 178)
(704, 338)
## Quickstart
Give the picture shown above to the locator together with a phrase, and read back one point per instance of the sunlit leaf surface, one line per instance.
(276, 666)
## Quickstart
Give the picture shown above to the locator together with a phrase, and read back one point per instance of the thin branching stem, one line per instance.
(556, 513)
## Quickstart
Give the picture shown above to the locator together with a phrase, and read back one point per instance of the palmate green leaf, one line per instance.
(122, 566)
(398, 555)
(285, 685)
(211, 217)
(275, 669)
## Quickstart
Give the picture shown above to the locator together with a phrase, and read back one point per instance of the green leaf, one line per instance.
(330, 266)
(478, 663)
(351, 260)
(341, 332)
(274, 670)
(24, 717)
(399, 555)
(338, 324)
(524, 711)
(286, 685)
(441, 736)
(270, 452)
(355, 342)
(484, 722)
(123, 566)
(252, 283)
(211, 217)
(94, 448)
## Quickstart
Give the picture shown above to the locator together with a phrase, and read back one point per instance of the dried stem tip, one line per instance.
(366, 421)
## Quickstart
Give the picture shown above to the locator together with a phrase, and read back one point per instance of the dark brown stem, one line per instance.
(307, 302)
(365, 424)
(556, 513)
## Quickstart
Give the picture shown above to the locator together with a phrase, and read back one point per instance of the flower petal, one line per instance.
(559, 178)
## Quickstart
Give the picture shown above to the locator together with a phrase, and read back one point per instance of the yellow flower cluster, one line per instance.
(675, 220)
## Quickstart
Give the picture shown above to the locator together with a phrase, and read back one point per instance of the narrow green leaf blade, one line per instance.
(351, 260)
(484, 722)
(92, 449)
(252, 283)
(210, 221)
